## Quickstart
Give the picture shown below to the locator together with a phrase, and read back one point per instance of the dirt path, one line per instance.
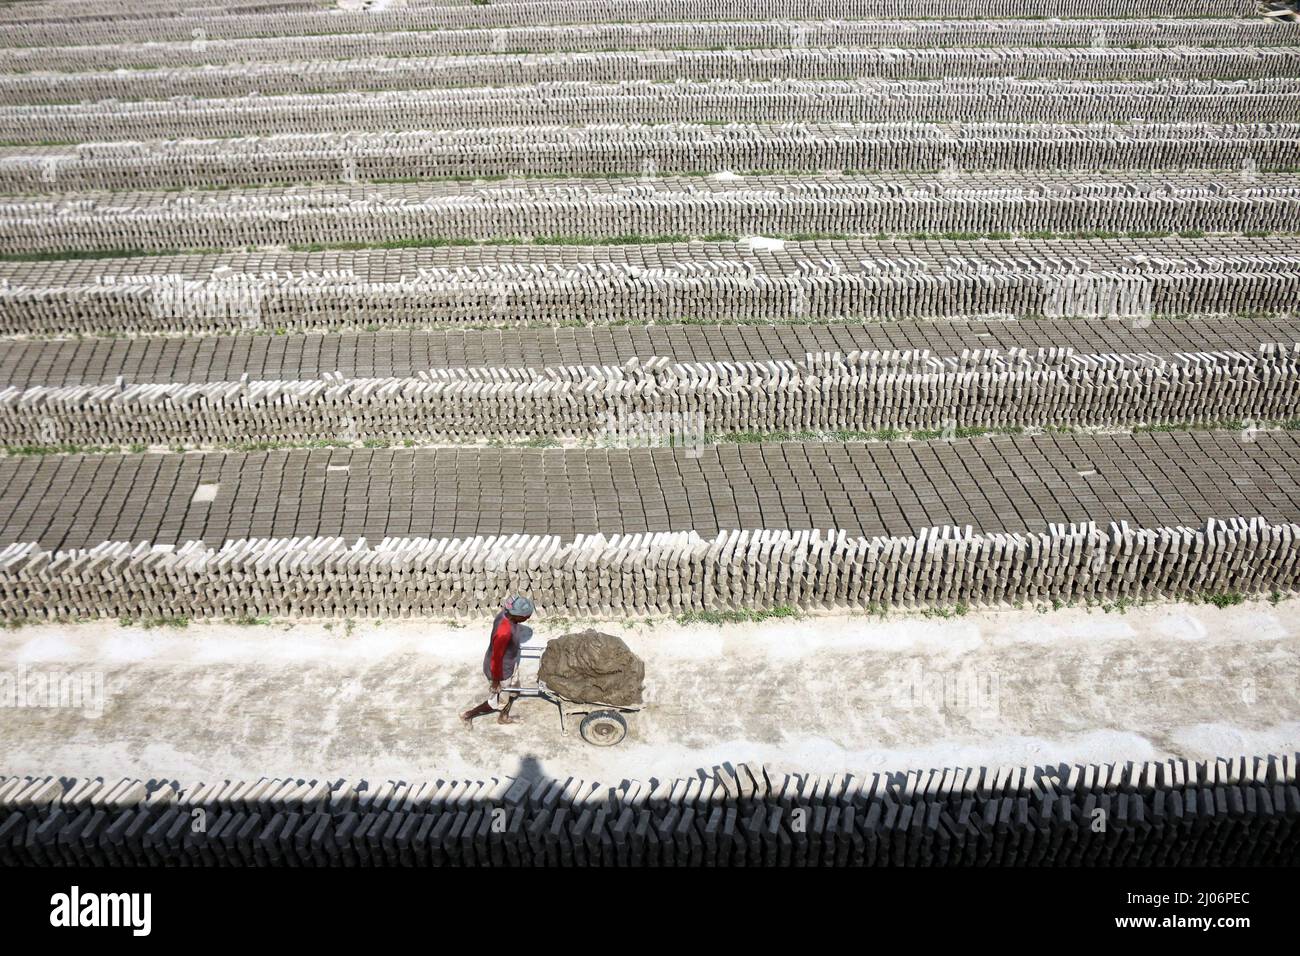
(821, 694)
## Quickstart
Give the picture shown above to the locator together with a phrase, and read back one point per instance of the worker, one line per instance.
(501, 660)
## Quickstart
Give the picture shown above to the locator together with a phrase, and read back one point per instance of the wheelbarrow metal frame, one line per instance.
(569, 709)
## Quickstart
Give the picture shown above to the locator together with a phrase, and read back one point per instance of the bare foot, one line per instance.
(503, 719)
(467, 721)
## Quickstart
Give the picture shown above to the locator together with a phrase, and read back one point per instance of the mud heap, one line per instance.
(592, 667)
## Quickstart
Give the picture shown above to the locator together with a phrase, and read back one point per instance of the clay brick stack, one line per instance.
(287, 159)
(667, 35)
(1038, 202)
(374, 74)
(1261, 99)
(1095, 199)
(112, 28)
(812, 281)
(1242, 810)
(830, 392)
(653, 573)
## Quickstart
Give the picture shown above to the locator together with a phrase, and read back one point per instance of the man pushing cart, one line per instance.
(597, 677)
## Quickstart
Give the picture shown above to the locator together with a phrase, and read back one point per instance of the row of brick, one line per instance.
(660, 401)
(895, 255)
(63, 11)
(183, 24)
(560, 295)
(1178, 812)
(699, 35)
(654, 573)
(981, 99)
(424, 73)
(25, 363)
(650, 207)
(1001, 484)
(547, 150)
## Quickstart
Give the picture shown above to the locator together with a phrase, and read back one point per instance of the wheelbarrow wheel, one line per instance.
(603, 728)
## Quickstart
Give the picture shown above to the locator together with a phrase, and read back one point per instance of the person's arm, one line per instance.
(500, 642)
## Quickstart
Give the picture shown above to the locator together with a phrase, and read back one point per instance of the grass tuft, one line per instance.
(782, 612)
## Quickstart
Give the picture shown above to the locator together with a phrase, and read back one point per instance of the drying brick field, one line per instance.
(324, 310)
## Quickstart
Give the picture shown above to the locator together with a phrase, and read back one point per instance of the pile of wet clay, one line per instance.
(594, 668)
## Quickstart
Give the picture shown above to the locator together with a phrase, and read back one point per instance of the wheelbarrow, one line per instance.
(601, 725)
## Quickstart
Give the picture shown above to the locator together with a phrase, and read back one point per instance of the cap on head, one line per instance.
(518, 606)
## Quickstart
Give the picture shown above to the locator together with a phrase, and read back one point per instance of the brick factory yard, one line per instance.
(331, 329)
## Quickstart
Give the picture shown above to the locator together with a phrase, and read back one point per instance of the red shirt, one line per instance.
(503, 652)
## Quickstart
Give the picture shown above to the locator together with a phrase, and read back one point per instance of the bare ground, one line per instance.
(823, 693)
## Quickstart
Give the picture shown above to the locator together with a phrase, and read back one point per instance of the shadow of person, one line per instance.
(530, 768)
